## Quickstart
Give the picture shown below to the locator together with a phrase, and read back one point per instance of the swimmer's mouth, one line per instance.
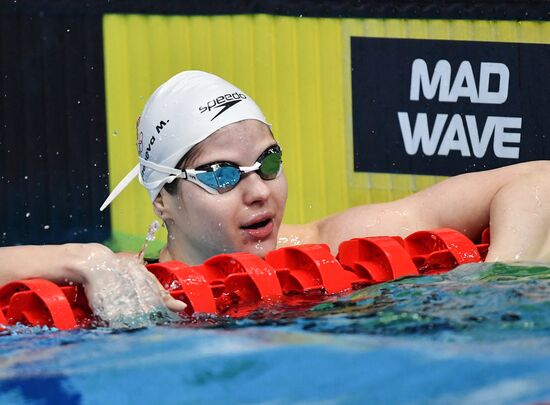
(257, 225)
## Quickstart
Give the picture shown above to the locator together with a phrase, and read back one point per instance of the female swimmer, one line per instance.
(213, 171)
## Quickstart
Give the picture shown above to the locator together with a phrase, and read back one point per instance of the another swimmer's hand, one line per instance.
(121, 291)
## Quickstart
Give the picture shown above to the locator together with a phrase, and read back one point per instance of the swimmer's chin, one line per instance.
(259, 248)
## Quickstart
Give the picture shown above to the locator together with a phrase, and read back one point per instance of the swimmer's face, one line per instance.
(244, 219)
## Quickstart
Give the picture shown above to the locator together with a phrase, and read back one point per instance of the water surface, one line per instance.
(478, 334)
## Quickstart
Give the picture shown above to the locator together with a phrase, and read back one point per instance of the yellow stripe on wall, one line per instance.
(298, 71)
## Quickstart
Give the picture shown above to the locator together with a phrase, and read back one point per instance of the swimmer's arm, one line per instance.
(58, 263)
(91, 264)
(514, 201)
(516, 198)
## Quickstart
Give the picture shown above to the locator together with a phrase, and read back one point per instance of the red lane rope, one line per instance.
(238, 283)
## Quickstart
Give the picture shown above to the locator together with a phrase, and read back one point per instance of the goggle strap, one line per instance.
(154, 184)
(120, 186)
(174, 173)
(160, 168)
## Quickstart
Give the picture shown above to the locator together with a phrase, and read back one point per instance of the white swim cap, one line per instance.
(182, 112)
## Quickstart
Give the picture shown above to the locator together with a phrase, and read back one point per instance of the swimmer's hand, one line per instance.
(119, 288)
(121, 291)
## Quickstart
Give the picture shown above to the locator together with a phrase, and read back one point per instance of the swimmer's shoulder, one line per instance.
(296, 234)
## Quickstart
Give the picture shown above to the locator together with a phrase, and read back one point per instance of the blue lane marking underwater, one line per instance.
(479, 334)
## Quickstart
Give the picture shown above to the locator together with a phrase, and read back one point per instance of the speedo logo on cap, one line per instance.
(223, 103)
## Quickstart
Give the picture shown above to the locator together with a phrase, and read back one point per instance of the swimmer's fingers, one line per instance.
(171, 303)
(153, 283)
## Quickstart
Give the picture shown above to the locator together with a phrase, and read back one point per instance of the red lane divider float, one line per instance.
(37, 302)
(308, 268)
(236, 284)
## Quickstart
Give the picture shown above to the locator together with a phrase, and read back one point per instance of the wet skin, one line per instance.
(513, 200)
(244, 219)
(202, 225)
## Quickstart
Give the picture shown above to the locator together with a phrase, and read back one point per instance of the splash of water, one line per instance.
(153, 229)
(128, 296)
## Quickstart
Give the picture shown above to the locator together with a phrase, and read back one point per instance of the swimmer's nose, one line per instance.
(255, 189)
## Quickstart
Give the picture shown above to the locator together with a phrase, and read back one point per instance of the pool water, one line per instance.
(477, 335)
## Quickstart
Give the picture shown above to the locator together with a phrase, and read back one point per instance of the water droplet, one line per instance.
(28, 214)
(46, 227)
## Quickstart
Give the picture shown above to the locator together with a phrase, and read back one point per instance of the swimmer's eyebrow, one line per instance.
(216, 162)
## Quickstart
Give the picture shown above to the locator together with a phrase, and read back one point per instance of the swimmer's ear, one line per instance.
(159, 206)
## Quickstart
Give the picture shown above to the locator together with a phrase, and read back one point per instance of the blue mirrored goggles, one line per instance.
(221, 177)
